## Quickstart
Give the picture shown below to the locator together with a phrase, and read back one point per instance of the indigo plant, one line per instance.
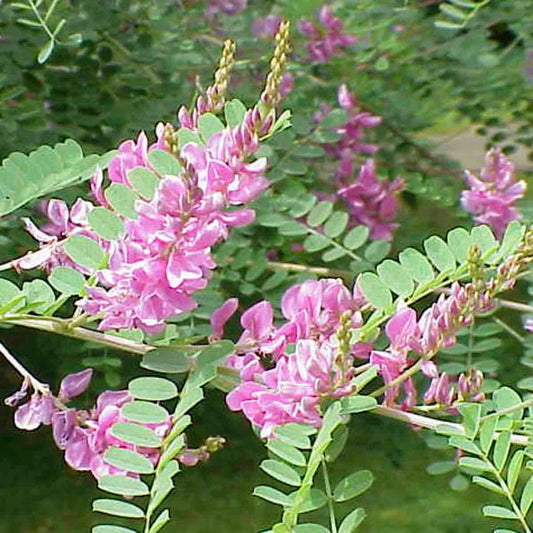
(286, 222)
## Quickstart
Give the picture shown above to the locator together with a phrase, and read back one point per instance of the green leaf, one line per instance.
(452, 12)
(287, 452)
(459, 483)
(160, 521)
(486, 433)
(128, 460)
(281, 471)
(153, 389)
(513, 471)
(396, 278)
(167, 359)
(357, 404)
(208, 125)
(234, 112)
(143, 181)
(506, 398)
(311, 528)
(334, 119)
(45, 52)
(117, 508)
(464, 444)
(39, 294)
(463, 3)
(356, 237)
(496, 511)
(8, 292)
(314, 499)
(417, 265)
(333, 254)
(295, 434)
(309, 151)
(377, 250)
(85, 252)
(123, 485)
(339, 439)
(67, 281)
(483, 237)
(352, 521)
(121, 199)
(164, 163)
(353, 485)
(293, 229)
(275, 280)
(460, 242)
(439, 253)
(375, 291)
(471, 414)
(271, 495)
(501, 449)
(487, 484)
(135, 434)
(475, 464)
(527, 496)
(336, 224)
(144, 412)
(319, 214)
(105, 223)
(111, 529)
(512, 236)
(186, 136)
(315, 243)
(440, 467)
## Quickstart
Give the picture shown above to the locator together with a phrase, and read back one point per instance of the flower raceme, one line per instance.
(288, 371)
(492, 195)
(85, 435)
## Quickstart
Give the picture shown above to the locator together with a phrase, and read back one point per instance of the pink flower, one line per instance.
(325, 39)
(222, 315)
(491, 197)
(373, 202)
(266, 27)
(294, 390)
(280, 385)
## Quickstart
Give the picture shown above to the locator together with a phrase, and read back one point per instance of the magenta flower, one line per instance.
(373, 202)
(294, 389)
(266, 27)
(327, 38)
(491, 197)
(222, 315)
(280, 385)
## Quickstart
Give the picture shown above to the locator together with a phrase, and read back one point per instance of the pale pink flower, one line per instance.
(492, 195)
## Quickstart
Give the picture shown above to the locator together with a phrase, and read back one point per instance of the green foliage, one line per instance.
(24, 178)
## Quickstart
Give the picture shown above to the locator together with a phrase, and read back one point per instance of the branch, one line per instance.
(433, 423)
(24, 372)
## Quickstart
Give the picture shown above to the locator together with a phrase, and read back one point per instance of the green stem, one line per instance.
(509, 329)
(400, 379)
(41, 20)
(508, 494)
(319, 271)
(470, 344)
(329, 494)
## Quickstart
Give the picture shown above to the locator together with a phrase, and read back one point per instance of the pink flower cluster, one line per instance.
(326, 38)
(83, 435)
(351, 133)
(288, 371)
(373, 202)
(491, 196)
(436, 328)
(164, 255)
(227, 7)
